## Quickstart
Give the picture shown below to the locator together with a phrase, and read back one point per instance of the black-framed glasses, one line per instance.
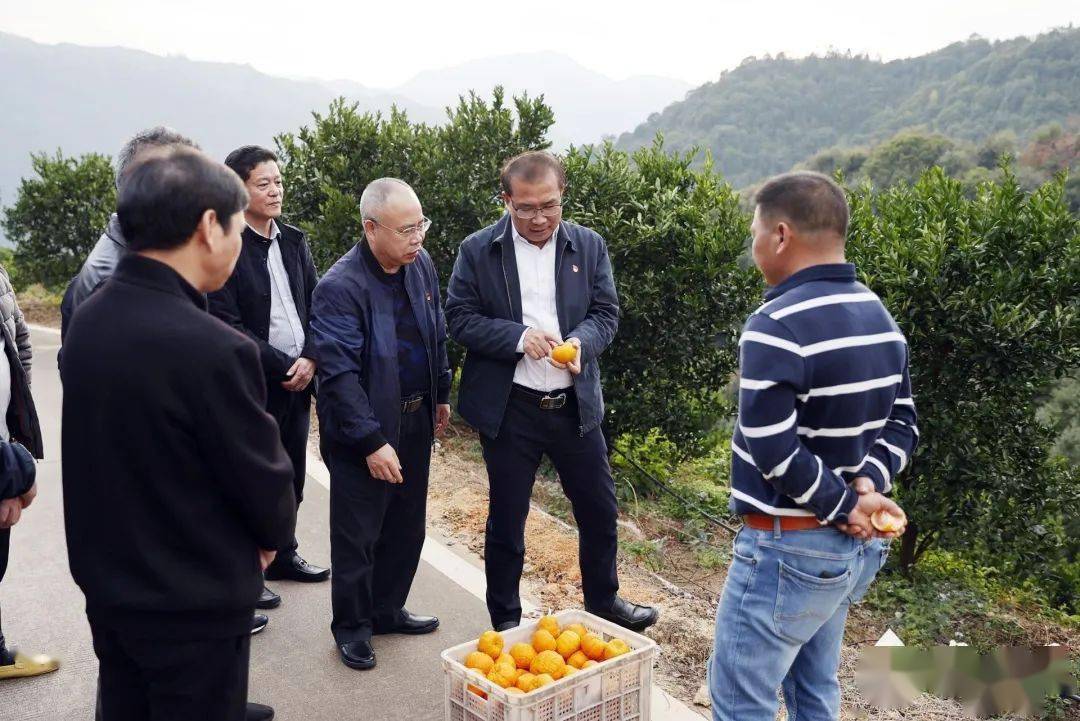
(548, 211)
(420, 228)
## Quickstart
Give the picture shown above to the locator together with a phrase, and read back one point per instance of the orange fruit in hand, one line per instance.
(523, 654)
(593, 646)
(548, 662)
(567, 644)
(886, 522)
(543, 640)
(564, 353)
(615, 647)
(480, 661)
(491, 643)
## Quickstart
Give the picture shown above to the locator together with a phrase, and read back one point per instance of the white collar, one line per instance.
(275, 231)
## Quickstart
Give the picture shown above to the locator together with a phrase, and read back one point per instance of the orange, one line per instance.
(501, 675)
(507, 659)
(589, 664)
(549, 662)
(615, 647)
(577, 659)
(885, 521)
(480, 661)
(578, 629)
(567, 644)
(523, 654)
(569, 671)
(593, 646)
(549, 624)
(544, 679)
(542, 641)
(564, 353)
(491, 643)
(514, 689)
(526, 681)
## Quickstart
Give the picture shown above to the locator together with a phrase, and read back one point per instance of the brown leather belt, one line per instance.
(765, 522)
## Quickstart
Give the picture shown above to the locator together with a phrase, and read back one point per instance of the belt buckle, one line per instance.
(550, 402)
(411, 405)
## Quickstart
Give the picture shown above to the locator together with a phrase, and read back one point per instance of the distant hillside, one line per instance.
(92, 99)
(767, 115)
(587, 105)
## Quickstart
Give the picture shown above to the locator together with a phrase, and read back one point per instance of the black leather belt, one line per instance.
(549, 401)
(413, 403)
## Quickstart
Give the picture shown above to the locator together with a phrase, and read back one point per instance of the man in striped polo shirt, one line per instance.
(826, 421)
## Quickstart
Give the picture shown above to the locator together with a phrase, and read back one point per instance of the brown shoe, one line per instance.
(25, 666)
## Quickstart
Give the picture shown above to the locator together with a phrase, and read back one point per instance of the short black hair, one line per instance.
(810, 201)
(165, 196)
(245, 158)
(531, 166)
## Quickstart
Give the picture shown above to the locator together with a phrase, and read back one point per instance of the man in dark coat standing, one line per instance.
(177, 490)
(519, 288)
(268, 299)
(384, 387)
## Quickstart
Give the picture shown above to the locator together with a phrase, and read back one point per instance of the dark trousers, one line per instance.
(153, 680)
(292, 411)
(526, 435)
(5, 544)
(376, 530)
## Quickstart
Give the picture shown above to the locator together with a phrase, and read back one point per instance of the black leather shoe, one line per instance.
(628, 615)
(357, 654)
(258, 623)
(294, 568)
(408, 623)
(268, 599)
(506, 626)
(258, 712)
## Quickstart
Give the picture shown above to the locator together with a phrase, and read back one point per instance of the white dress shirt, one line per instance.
(286, 331)
(536, 278)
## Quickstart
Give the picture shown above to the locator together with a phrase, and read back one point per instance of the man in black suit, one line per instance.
(268, 299)
(519, 288)
(177, 490)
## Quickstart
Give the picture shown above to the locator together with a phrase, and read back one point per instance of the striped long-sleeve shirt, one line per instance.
(824, 396)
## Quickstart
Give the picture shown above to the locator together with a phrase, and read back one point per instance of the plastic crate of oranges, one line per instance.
(571, 665)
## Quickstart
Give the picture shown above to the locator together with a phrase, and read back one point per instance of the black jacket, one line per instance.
(483, 313)
(355, 333)
(174, 475)
(244, 302)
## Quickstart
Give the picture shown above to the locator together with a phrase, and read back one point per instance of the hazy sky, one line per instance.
(382, 43)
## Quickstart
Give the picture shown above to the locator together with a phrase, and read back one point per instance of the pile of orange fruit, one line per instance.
(552, 654)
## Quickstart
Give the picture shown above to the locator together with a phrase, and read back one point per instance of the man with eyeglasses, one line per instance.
(384, 390)
(268, 299)
(519, 288)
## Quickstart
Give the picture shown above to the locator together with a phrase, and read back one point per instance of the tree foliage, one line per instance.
(59, 215)
(986, 290)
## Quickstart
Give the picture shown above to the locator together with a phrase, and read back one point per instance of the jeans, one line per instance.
(780, 622)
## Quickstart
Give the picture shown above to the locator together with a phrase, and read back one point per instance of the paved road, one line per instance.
(294, 665)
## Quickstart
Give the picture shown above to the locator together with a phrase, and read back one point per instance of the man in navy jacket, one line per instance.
(384, 387)
(519, 288)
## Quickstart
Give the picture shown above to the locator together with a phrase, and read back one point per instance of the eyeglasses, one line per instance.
(419, 229)
(548, 211)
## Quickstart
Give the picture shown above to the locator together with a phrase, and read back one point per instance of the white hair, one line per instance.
(378, 192)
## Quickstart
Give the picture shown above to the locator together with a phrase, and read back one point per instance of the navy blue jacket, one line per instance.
(483, 312)
(355, 338)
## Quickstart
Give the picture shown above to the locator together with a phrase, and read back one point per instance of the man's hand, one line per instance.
(863, 485)
(10, 511)
(859, 525)
(442, 418)
(302, 371)
(384, 465)
(266, 558)
(573, 366)
(28, 497)
(538, 343)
